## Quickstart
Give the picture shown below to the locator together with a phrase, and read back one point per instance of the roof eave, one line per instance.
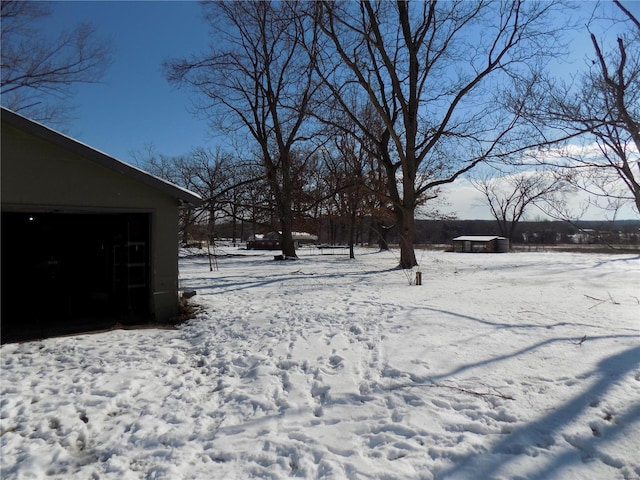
(186, 198)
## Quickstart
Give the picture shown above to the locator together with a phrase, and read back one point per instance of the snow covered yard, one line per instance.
(512, 366)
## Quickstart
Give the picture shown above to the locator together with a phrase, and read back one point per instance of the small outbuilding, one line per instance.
(88, 241)
(272, 240)
(480, 244)
(304, 238)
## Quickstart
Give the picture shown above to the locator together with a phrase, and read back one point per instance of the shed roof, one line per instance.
(478, 238)
(54, 137)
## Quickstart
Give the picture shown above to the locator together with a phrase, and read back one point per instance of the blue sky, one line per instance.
(134, 106)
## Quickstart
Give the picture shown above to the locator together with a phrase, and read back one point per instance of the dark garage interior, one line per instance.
(71, 272)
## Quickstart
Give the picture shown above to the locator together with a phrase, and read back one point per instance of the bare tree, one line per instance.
(258, 79)
(379, 206)
(346, 177)
(602, 109)
(38, 73)
(358, 180)
(509, 197)
(435, 74)
(239, 204)
(214, 175)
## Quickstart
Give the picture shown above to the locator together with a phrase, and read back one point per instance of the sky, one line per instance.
(134, 108)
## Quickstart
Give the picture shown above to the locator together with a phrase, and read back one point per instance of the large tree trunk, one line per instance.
(405, 211)
(285, 210)
(288, 245)
(380, 231)
(211, 227)
(502, 227)
(187, 222)
(406, 223)
(234, 229)
(352, 228)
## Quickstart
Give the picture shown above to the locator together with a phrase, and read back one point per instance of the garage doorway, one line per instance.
(72, 272)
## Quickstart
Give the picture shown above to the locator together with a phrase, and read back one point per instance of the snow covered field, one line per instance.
(512, 366)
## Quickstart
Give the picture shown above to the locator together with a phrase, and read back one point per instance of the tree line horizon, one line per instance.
(436, 232)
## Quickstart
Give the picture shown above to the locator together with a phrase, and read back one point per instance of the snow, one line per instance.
(510, 366)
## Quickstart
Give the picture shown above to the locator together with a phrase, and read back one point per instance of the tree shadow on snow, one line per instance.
(513, 325)
(539, 433)
(616, 260)
(501, 358)
(204, 284)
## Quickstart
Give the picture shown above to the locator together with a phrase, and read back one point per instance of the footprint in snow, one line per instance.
(336, 361)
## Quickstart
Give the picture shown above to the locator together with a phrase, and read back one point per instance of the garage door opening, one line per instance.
(67, 273)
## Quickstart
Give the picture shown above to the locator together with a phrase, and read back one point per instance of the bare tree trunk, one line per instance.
(406, 223)
(234, 230)
(286, 213)
(282, 195)
(352, 225)
(380, 231)
(286, 224)
(288, 245)
(382, 238)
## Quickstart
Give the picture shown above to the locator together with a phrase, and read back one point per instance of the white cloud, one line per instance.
(465, 202)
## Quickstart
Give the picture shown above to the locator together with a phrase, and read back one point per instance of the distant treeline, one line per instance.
(443, 231)
(539, 232)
